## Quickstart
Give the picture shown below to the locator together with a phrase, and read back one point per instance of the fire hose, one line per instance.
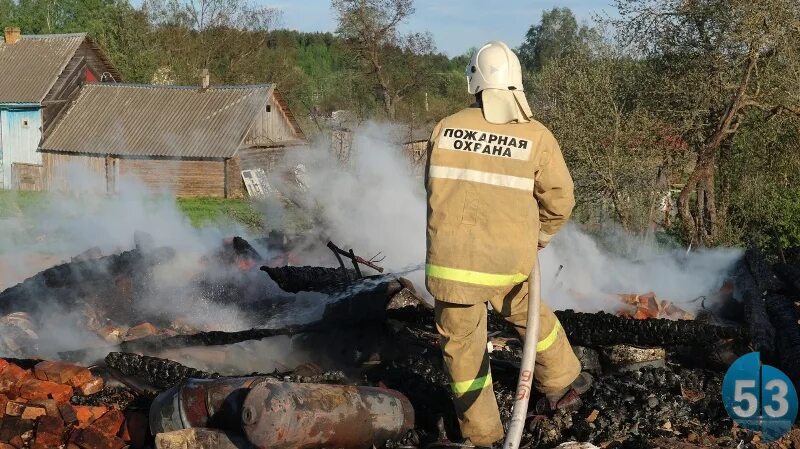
(520, 410)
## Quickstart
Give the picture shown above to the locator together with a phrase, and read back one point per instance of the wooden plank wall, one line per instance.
(234, 185)
(26, 177)
(185, 178)
(70, 81)
(271, 127)
(266, 158)
(65, 172)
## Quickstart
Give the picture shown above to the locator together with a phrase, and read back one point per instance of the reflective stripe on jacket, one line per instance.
(495, 193)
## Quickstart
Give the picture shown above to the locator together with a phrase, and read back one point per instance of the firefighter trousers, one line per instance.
(464, 336)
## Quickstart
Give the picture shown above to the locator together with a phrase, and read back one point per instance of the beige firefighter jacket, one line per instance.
(495, 193)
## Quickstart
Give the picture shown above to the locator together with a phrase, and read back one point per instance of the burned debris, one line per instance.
(366, 370)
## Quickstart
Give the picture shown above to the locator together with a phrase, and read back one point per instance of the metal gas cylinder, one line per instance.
(280, 415)
(275, 415)
(215, 403)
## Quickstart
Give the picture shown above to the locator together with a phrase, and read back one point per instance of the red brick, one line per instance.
(44, 389)
(112, 334)
(33, 412)
(110, 423)
(13, 426)
(16, 372)
(86, 415)
(67, 413)
(98, 411)
(17, 442)
(50, 431)
(37, 445)
(10, 378)
(62, 373)
(95, 385)
(3, 403)
(91, 438)
(141, 331)
(83, 414)
(50, 406)
(3, 364)
(6, 446)
(135, 430)
(14, 408)
(50, 424)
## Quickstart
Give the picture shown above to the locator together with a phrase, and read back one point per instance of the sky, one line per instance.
(456, 25)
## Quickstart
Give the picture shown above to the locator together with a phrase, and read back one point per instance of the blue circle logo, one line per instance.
(759, 397)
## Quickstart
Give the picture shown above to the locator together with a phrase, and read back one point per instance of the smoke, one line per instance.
(586, 272)
(376, 203)
(373, 203)
(60, 226)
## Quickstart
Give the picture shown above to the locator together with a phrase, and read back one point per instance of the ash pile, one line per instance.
(364, 370)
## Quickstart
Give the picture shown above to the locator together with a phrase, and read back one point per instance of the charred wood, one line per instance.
(157, 372)
(76, 283)
(790, 275)
(600, 329)
(164, 373)
(244, 248)
(212, 338)
(365, 306)
(784, 318)
(759, 327)
(761, 269)
(121, 397)
(650, 402)
(308, 279)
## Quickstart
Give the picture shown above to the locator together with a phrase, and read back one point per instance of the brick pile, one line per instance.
(36, 410)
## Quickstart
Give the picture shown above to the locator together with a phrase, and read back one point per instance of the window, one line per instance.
(25, 124)
(269, 108)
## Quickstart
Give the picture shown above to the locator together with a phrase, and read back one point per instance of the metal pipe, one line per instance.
(281, 415)
(520, 410)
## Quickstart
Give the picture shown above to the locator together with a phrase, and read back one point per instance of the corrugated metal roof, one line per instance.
(151, 120)
(32, 65)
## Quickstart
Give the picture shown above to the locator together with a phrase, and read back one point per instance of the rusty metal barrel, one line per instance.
(274, 414)
(279, 415)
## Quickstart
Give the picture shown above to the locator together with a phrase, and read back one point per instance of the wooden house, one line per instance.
(39, 76)
(189, 140)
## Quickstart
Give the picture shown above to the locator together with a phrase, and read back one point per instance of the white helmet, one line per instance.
(494, 66)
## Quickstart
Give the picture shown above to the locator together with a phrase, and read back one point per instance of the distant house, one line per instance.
(39, 75)
(191, 140)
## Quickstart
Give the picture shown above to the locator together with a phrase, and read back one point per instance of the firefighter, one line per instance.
(498, 190)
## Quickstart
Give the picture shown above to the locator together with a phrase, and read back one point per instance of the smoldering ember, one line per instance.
(366, 371)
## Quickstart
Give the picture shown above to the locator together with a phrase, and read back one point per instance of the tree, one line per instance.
(614, 145)
(714, 63)
(121, 30)
(399, 63)
(556, 35)
(212, 34)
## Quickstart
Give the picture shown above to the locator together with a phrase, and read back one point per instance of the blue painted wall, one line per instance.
(20, 134)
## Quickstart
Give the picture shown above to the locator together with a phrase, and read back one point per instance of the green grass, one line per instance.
(14, 203)
(210, 211)
(200, 211)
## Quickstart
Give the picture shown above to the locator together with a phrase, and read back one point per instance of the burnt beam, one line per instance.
(600, 329)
